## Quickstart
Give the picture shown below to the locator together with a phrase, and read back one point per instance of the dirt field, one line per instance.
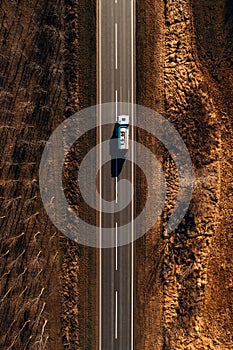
(47, 72)
(184, 283)
(184, 300)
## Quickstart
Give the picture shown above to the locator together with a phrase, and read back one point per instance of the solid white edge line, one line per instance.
(132, 244)
(116, 249)
(116, 99)
(100, 171)
(116, 315)
(116, 185)
(115, 45)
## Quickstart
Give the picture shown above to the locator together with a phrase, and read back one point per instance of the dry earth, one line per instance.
(184, 290)
(184, 71)
(47, 72)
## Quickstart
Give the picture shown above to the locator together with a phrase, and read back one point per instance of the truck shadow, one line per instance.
(117, 155)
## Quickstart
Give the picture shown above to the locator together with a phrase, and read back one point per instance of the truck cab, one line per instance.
(123, 131)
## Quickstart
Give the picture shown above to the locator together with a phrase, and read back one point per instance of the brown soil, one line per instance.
(47, 72)
(184, 290)
(47, 281)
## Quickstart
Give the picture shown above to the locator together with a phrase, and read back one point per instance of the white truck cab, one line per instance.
(123, 131)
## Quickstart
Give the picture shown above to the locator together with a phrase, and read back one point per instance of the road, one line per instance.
(116, 83)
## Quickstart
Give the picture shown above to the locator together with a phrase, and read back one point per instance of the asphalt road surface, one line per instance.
(116, 83)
